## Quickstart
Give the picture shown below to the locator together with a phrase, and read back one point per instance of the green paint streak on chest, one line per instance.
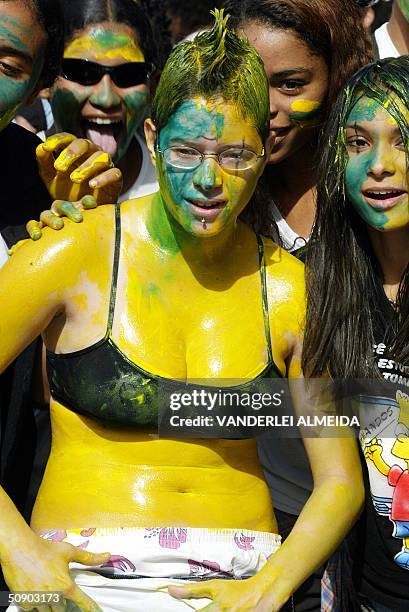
(159, 227)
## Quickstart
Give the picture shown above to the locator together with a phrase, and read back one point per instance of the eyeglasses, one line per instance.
(189, 158)
(85, 72)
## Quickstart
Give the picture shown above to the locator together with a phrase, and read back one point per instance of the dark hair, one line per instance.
(191, 20)
(152, 37)
(50, 16)
(344, 279)
(330, 28)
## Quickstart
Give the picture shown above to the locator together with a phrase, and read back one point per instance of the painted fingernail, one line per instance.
(89, 202)
(93, 183)
(77, 176)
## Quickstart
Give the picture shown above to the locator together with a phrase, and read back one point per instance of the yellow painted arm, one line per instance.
(30, 294)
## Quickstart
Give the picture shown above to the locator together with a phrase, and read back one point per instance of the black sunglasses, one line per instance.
(85, 72)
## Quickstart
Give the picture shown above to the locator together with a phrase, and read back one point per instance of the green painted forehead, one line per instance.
(364, 109)
(107, 39)
(11, 30)
(192, 121)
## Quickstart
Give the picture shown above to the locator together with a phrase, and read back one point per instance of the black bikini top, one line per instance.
(101, 382)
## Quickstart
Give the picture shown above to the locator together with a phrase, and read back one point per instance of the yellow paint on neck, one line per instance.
(101, 44)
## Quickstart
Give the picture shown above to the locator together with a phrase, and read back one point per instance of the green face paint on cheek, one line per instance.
(136, 104)
(355, 176)
(307, 113)
(66, 106)
(214, 127)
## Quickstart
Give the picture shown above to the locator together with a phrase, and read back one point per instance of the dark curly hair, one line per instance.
(49, 13)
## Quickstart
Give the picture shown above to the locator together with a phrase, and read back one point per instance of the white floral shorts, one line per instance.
(144, 562)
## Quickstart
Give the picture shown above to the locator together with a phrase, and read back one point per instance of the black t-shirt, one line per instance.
(23, 194)
(23, 197)
(383, 566)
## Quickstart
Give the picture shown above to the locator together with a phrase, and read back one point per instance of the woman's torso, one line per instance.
(175, 321)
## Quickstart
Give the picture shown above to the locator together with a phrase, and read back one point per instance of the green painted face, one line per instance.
(404, 7)
(376, 177)
(21, 46)
(104, 113)
(207, 199)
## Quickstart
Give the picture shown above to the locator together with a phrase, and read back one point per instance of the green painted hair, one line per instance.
(216, 63)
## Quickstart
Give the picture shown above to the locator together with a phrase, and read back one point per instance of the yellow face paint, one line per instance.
(102, 43)
(305, 112)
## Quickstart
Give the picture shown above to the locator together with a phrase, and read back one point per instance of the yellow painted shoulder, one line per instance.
(282, 267)
(287, 303)
(137, 202)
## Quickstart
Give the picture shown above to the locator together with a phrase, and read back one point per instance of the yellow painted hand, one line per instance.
(43, 566)
(53, 217)
(80, 169)
(229, 595)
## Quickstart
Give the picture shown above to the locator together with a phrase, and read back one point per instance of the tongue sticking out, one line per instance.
(105, 136)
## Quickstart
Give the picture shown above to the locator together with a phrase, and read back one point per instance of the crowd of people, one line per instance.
(217, 194)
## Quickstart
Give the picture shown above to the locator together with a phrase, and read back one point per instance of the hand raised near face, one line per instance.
(80, 177)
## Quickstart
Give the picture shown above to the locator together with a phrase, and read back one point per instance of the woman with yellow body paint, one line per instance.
(150, 292)
(364, 330)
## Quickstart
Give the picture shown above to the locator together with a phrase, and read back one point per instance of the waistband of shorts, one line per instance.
(197, 535)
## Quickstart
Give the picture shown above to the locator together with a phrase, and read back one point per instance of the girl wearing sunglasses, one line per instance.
(102, 92)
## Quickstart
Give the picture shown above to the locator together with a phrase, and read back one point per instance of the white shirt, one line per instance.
(4, 255)
(147, 181)
(291, 241)
(386, 48)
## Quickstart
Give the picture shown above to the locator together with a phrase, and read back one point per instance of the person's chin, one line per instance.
(281, 150)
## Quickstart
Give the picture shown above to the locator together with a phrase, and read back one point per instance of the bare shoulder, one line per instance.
(285, 274)
(59, 256)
